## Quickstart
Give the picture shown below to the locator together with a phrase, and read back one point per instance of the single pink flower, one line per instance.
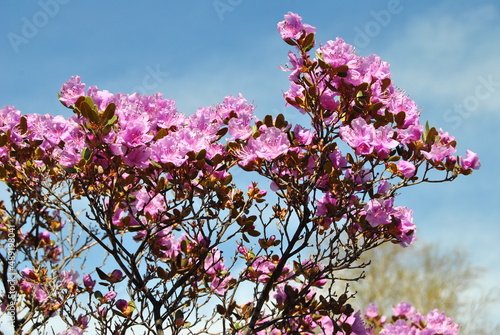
(407, 169)
(471, 161)
(293, 28)
(378, 211)
(72, 90)
(88, 282)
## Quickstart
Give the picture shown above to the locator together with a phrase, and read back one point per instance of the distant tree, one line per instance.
(427, 276)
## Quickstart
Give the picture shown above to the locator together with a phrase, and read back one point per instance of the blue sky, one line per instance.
(444, 53)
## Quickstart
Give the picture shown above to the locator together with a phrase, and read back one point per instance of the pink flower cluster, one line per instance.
(360, 105)
(407, 320)
(365, 139)
(135, 135)
(368, 78)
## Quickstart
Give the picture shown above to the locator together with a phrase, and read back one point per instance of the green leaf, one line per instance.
(268, 120)
(201, 154)
(430, 136)
(308, 42)
(385, 83)
(112, 120)
(220, 309)
(89, 110)
(102, 275)
(3, 140)
(163, 274)
(161, 134)
(400, 119)
(254, 233)
(280, 121)
(222, 132)
(86, 153)
(108, 113)
(23, 125)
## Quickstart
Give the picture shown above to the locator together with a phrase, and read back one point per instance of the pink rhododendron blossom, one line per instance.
(109, 296)
(9, 118)
(294, 92)
(378, 211)
(404, 309)
(330, 100)
(168, 150)
(220, 285)
(439, 152)
(337, 159)
(359, 135)
(167, 243)
(400, 327)
(83, 321)
(262, 269)
(356, 324)
(72, 90)
(29, 273)
(326, 202)
(292, 27)
(407, 169)
(364, 138)
(214, 263)
(26, 287)
(44, 237)
(304, 136)
(138, 157)
(116, 276)
(53, 253)
(88, 282)
(410, 134)
(405, 226)
(471, 161)
(338, 53)
(271, 143)
(438, 323)
(101, 98)
(371, 311)
(280, 295)
(135, 134)
(326, 325)
(102, 311)
(121, 304)
(239, 127)
(407, 320)
(295, 66)
(383, 141)
(68, 279)
(240, 114)
(384, 187)
(441, 148)
(72, 331)
(40, 293)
